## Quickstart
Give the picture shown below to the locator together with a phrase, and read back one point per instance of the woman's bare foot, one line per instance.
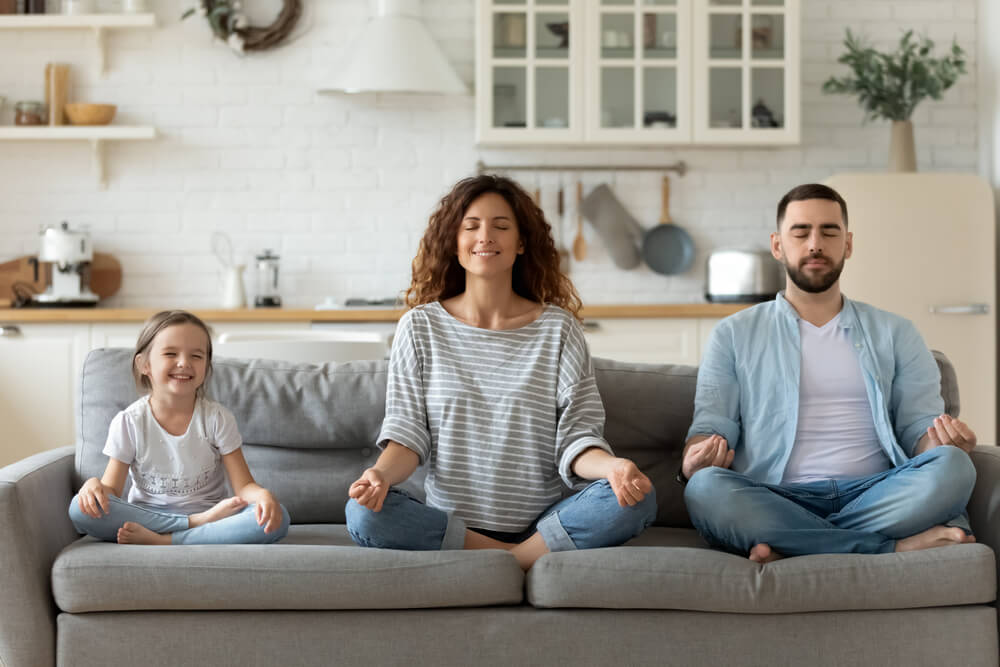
(221, 510)
(763, 553)
(133, 533)
(938, 536)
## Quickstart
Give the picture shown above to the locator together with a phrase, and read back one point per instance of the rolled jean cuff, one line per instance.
(454, 534)
(961, 521)
(555, 536)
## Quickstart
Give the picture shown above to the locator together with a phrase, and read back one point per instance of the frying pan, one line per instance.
(667, 248)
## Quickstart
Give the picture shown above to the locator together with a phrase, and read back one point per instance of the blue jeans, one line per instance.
(865, 515)
(588, 519)
(240, 528)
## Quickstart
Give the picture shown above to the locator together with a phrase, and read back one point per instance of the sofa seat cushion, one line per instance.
(668, 569)
(314, 567)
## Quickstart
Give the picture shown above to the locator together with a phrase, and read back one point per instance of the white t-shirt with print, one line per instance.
(178, 473)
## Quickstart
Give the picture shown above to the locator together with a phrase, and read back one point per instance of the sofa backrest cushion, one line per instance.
(309, 430)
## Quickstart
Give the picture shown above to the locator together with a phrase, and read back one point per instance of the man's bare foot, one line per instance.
(221, 510)
(133, 533)
(763, 553)
(938, 536)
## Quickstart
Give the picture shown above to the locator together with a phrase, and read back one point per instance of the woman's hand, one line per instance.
(94, 498)
(628, 482)
(268, 511)
(370, 489)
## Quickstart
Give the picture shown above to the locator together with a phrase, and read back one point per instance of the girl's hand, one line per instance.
(370, 490)
(94, 498)
(628, 482)
(268, 512)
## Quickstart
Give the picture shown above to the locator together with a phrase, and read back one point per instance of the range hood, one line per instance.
(395, 54)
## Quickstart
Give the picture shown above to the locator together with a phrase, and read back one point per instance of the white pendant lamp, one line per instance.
(395, 54)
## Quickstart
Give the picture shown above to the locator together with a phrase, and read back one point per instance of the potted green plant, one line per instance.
(891, 85)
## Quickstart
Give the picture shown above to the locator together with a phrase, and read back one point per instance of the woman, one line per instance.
(491, 387)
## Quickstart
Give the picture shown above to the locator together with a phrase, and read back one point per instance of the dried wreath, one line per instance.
(230, 24)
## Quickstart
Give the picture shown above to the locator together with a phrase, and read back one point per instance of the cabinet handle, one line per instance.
(590, 325)
(9, 330)
(966, 309)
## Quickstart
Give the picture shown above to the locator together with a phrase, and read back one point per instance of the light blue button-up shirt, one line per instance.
(748, 383)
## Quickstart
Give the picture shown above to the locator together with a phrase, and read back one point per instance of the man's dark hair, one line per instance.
(811, 191)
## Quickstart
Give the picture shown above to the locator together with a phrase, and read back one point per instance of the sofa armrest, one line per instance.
(34, 527)
(984, 505)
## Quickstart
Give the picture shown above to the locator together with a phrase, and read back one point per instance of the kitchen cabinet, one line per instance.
(745, 64)
(641, 72)
(39, 386)
(656, 341)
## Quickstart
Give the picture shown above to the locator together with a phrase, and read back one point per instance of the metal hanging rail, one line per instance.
(680, 167)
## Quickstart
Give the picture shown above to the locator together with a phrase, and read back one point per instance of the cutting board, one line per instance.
(105, 276)
(21, 271)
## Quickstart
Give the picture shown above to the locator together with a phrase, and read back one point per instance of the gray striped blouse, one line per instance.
(497, 416)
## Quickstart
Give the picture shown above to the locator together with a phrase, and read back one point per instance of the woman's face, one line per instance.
(488, 237)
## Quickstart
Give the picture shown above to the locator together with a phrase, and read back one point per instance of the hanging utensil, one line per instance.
(222, 247)
(579, 244)
(560, 224)
(667, 248)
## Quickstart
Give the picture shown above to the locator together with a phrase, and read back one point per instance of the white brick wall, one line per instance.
(341, 186)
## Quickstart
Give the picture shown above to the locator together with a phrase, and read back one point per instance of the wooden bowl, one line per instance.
(80, 113)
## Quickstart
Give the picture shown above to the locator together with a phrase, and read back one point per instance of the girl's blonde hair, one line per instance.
(153, 326)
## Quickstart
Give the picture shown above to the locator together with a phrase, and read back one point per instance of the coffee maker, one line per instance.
(70, 253)
(267, 281)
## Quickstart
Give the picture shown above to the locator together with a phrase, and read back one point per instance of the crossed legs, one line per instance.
(914, 506)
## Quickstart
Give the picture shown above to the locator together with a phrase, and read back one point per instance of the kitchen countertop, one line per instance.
(53, 315)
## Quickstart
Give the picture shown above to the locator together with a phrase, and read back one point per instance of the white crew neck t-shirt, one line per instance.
(835, 437)
(177, 473)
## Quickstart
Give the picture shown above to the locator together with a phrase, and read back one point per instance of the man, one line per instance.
(817, 424)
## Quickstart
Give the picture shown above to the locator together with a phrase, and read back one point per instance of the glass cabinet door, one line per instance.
(528, 76)
(746, 71)
(638, 71)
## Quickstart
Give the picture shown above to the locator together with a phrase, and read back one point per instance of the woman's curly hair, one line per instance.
(437, 275)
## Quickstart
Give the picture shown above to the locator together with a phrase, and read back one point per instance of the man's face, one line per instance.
(812, 244)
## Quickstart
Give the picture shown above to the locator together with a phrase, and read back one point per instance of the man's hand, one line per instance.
(268, 512)
(712, 451)
(950, 431)
(628, 482)
(370, 489)
(94, 498)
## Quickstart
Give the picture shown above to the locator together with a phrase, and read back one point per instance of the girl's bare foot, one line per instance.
(763, 553)
(133, 533)
(938, 536)
(221, 510)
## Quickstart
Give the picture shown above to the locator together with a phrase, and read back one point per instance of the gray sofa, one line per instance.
(315, 598)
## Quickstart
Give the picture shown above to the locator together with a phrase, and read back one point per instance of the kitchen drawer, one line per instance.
(662, 341)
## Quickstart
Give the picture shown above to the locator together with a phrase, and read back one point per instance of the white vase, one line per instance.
(233, 294)
(902, 153)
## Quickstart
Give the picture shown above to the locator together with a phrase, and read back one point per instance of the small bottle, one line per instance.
(34, 6)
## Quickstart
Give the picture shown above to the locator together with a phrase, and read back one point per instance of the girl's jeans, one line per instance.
(865, 515)
(240, 528)
(586, 520)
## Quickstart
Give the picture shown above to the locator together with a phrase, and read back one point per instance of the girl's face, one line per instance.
(488, 237)
(177, 360)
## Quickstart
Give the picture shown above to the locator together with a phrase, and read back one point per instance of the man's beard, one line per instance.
(817, 282)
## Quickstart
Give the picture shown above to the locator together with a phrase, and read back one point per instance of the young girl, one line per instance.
(491, 387)
(178, 448)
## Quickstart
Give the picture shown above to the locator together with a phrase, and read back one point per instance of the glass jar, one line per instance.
(29, 113)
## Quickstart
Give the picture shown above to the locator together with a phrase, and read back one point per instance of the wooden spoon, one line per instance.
(579, 245)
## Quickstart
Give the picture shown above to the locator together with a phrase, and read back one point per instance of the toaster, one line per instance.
(743, 276)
